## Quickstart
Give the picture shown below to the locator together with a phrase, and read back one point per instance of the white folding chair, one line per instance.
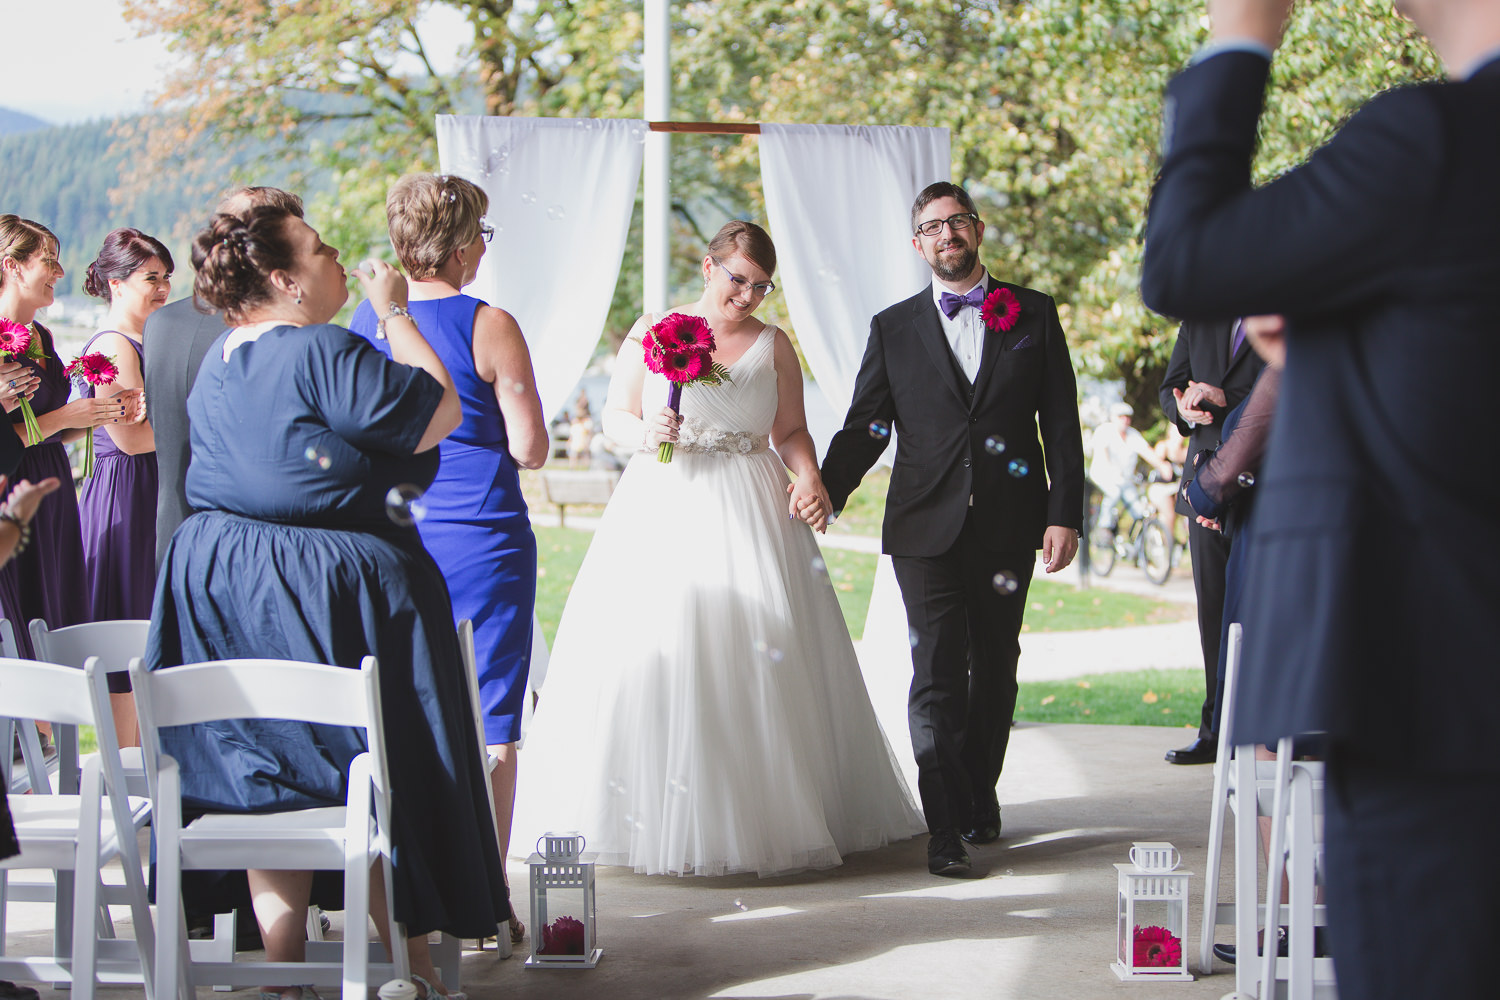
(73, 833)
(1296, 849)
(351, 837)
(466, 653)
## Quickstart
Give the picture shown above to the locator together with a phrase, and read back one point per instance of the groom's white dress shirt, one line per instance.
(965, 332)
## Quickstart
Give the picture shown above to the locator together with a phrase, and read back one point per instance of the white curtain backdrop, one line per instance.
(838, 199)
(561, 193)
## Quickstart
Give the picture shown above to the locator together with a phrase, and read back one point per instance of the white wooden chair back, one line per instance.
(115, 643)
(471, 672)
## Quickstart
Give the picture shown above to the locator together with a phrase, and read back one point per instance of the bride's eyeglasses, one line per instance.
(756, 287)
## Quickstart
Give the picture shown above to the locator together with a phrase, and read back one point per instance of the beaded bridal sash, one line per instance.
(694, 437)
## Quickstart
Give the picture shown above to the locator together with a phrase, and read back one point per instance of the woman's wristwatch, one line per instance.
(22, 527)
(390, 313)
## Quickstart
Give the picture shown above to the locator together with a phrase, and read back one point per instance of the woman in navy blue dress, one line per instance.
(300, 431)
(476, 525)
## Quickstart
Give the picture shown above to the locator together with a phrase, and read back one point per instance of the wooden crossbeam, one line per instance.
(707, 128)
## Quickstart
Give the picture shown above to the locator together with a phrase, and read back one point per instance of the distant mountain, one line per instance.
(16, 122)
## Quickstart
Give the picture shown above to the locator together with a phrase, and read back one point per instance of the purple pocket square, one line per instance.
(1023, 342)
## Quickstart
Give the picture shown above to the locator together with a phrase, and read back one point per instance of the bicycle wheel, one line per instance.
(1101, 550)
(1156, 552)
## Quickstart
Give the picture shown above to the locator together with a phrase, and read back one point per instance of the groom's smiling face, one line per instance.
(952, 254)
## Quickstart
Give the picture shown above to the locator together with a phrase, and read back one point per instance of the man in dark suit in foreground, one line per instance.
(1211, 372)
(964, 370)
(177, 336)
(1370, 597)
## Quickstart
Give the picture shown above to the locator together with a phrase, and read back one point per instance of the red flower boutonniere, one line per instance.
(92, 370)
(680, 348)
(1000, 310)
(17, 341)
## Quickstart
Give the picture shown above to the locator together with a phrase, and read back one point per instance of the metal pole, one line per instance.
(657, 204)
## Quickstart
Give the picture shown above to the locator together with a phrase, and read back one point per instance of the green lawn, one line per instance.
(1140, 698)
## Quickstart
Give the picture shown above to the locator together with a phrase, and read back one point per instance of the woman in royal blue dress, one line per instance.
(300, 433)
(476, 525)
(47, 580)
(117, 504)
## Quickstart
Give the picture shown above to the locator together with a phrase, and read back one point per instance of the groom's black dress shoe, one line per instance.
(985, 827)
(1200, 751)
(946, 854)
(1226, 952)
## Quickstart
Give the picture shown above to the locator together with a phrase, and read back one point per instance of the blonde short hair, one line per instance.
(430, 216)
(20, 239)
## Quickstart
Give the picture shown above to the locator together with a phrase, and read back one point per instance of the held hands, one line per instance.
(1190, 401)
(383, 285)
(662, 426)
(1059, 546)
(125, 407)
(809, 502)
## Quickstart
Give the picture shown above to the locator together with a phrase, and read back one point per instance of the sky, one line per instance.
(79, 60)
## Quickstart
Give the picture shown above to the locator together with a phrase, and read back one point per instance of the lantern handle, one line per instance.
(582, 841)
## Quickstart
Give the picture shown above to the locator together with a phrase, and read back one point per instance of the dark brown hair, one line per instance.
(234, 258)
(122, 254)
(748, 240)
(261, 196)
(942, 189)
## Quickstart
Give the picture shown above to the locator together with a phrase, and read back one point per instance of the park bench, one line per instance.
(587, 486)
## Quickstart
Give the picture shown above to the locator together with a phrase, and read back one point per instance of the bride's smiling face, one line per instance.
(735, 287)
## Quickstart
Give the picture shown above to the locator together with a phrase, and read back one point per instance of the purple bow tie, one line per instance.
(952, 303)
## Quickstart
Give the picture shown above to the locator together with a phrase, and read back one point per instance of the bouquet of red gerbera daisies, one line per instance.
(92, 370)
(681, 348)
(16, 341)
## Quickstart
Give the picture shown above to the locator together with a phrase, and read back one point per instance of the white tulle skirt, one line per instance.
(704, 712)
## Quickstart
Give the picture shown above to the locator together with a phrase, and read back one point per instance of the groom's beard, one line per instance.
(954, 266)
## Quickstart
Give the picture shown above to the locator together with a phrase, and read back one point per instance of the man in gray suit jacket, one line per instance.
(177, 337)
(1369, 600)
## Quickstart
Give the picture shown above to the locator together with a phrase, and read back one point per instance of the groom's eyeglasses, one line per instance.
(756, 287)
(957, 223)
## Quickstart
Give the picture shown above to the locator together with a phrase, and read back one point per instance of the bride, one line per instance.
(704, 711)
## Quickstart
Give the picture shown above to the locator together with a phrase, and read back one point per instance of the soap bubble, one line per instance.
(528, 198)
(819, 566)
(1006, 583)
(1019, 468)
(1247, 479)
(880, 430)
(911, 637)
(319, 457)
(556, 213)
(404, 505)
(739, 904)
(994, 444)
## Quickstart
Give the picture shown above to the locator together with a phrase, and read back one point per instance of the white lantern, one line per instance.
(562, 905)
(1152, 916)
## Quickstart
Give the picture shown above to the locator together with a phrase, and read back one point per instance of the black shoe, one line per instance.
(10, 991)
(946, 854)
(1226, 952)
(1200, 751)
(985, 828)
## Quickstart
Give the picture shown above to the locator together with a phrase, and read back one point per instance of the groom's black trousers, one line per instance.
(966, 634)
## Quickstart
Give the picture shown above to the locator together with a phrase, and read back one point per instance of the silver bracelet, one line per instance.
(23, 529)
(390, 313)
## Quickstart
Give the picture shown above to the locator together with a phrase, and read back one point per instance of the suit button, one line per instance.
(966, 463)
(973, 420)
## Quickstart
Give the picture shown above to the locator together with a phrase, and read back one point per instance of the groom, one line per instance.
(965, 370)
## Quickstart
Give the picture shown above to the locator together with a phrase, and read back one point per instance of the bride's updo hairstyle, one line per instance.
(234, 258)
(122, 254)
(746, 239)
(430, 216)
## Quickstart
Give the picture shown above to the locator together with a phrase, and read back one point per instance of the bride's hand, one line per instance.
(809, 502)
(662, 426)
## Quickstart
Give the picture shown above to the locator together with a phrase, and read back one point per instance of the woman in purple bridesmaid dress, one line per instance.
(47, 580)
(117, 504)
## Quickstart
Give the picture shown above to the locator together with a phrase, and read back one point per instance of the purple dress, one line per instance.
(47, 580)
(118, 510)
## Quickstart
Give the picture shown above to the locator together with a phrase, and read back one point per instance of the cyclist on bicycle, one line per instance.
(1116, 448)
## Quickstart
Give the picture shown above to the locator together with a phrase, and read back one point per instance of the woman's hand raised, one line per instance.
(383, 285)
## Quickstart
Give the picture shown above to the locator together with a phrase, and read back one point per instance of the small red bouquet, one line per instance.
(87, 371)
(681, 348)
(16, 341)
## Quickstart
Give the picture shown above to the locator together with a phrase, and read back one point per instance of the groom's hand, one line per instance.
(809, 502)
(1059, 546)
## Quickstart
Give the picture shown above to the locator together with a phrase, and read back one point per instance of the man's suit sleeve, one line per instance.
(1062, 436)
(1179, 372)
(854, 449)
(1303, 244)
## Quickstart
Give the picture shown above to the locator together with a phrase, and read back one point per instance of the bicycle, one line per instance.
(1145, 542)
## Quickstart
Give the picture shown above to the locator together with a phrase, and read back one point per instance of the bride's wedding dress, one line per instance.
(704, 711)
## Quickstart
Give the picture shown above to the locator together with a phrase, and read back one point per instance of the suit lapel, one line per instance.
(930, 332)
(990, 347)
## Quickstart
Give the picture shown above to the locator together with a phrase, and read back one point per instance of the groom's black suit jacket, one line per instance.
(910, 380)
(1375, 562)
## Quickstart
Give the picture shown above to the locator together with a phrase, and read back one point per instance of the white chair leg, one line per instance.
(84, 947)
(1246, 869)
(1276, 866)
(1211, 868)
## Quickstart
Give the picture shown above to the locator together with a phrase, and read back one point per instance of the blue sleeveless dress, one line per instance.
(477, 527)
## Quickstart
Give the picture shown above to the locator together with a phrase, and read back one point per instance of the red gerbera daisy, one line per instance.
(685, 365)
(15, 338)
(682, 330)
(564, 936)
(1157, 946)
(1000, 310)
(93, 368)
